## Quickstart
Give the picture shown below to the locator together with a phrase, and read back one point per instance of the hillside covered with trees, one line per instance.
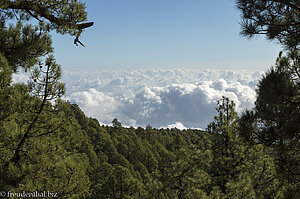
(48, 144)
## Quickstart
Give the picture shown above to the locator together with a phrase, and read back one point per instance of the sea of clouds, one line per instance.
(180, 98)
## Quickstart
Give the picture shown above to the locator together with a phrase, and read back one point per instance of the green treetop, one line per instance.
(238, 170)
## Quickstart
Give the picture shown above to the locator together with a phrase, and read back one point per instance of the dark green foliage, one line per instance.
(169, 163)
(277, 19)
(64, 16)
(41, 147)
(238, 170)
(23, 45)
(23, 42)
(275, 120)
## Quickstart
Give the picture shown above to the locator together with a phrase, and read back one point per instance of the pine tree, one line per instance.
(238, 170)
(277, 19)
(275, 120)
(41, 148)
(186, 178)
(40, 145)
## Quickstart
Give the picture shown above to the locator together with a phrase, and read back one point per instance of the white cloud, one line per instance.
(177, 125)
(96, 104)
(20, 77)
(179, 97)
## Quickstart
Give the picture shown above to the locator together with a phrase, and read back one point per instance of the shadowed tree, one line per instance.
(238, 170)
(275, 120)
(38, 142)
(41, 148)
(25, 41)
(277, 19)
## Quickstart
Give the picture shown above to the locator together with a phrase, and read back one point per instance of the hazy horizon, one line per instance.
(181, 98)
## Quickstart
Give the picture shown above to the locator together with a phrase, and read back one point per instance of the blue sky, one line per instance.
(164, 34)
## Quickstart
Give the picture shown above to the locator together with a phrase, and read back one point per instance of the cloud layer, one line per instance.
(161, 98)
